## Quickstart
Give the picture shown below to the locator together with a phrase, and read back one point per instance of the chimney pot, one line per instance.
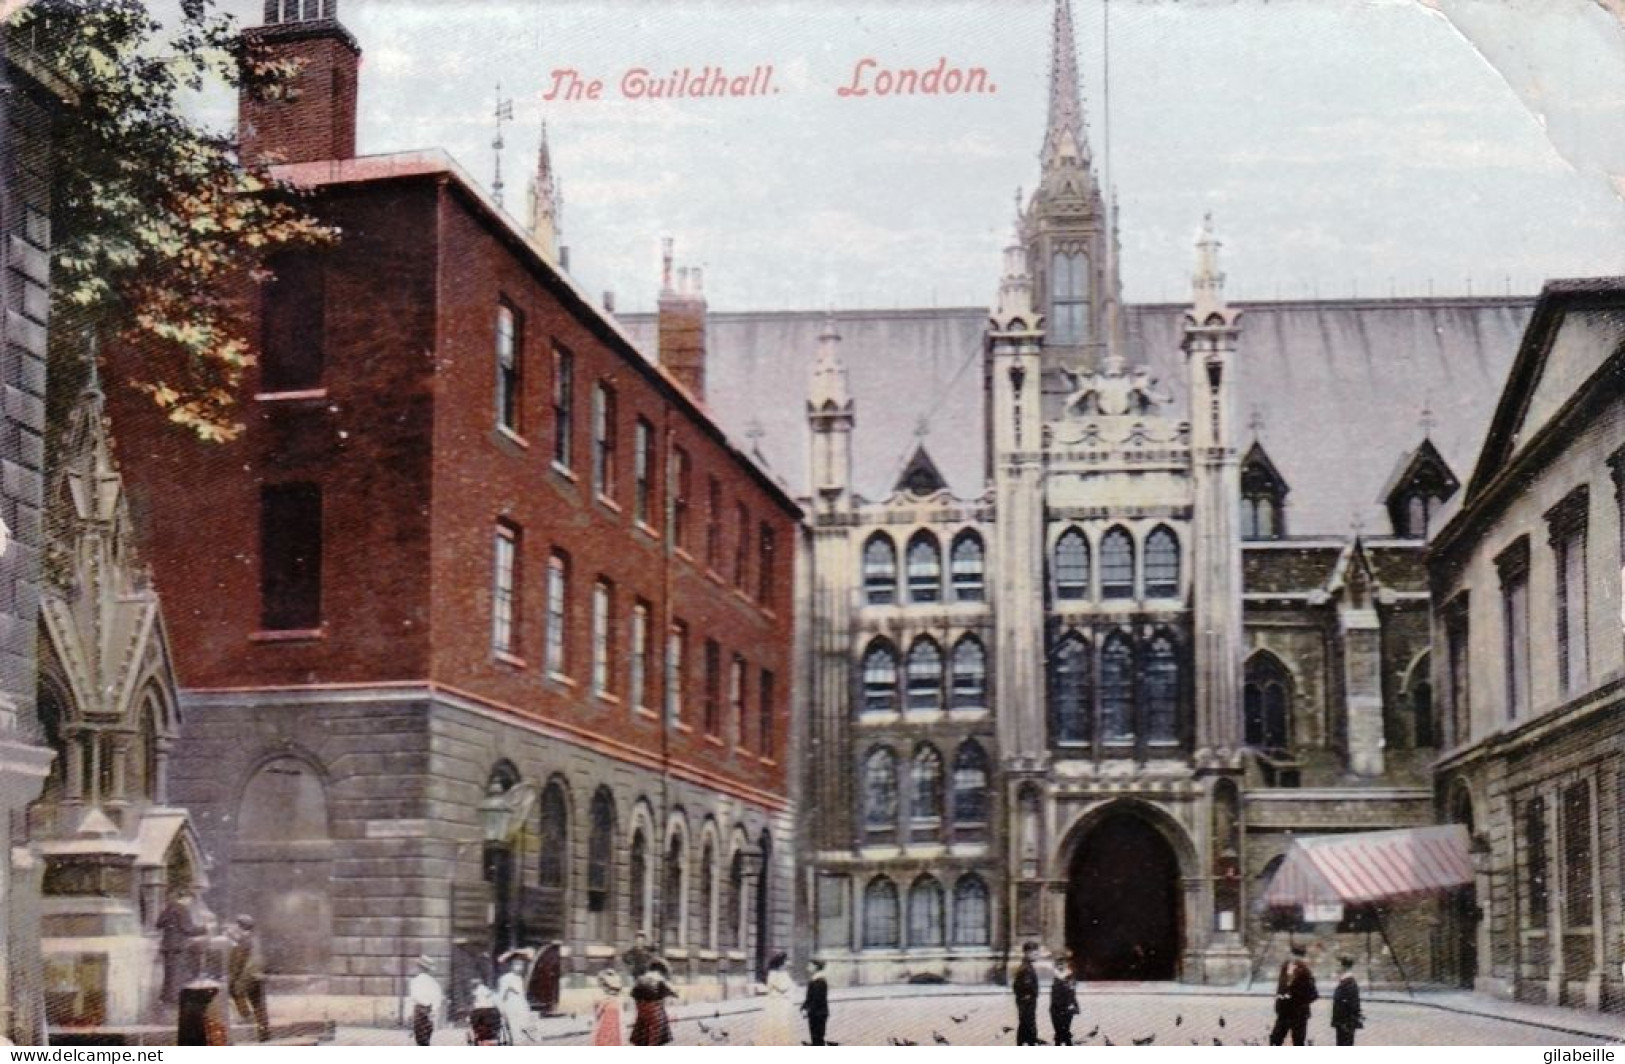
(609, 301)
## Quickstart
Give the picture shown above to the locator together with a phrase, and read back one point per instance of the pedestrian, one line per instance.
(816, 1005)
(245, 976)
(606, 1028)
(1294, 993)
(1346, 1014)
(1026, 988)
(484, 1018)
(511, 999)
(653, 1026)
(639, 956)
(426, 1000)
(778, 1014)
(1063, 1000)
(177, 928)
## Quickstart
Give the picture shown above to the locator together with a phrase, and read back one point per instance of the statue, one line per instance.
(1113, 391)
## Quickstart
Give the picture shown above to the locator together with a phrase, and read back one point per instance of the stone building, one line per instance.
(1108, 603)
(483, 626)
(1530, 664)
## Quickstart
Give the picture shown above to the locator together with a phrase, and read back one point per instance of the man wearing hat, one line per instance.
(425, 999)
(1294, 993)
(1025, 986)
(1346, 1014)
(245, 976)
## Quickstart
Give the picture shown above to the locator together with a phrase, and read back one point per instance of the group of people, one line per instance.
(1063, 998)
(184, 934)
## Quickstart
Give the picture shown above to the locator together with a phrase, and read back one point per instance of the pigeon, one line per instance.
(703, 1028)
(1217, 1042)
(1193, 1042)
(1147, 1040)
(1093, 1031)
(907, 1042)
(938, 1039)
(1221, 1021)
(1007, 1030)
(960, 1019)
(1178, 1020)
(1109, 1041)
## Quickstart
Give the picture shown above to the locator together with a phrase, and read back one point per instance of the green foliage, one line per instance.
(161, 233)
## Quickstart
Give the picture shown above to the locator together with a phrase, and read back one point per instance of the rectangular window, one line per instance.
(741, 546)
(767, 734)
(603, 440)
(713, 688)
(676, 670)
(1567, 522)
(564, 386)
(638, 684)
(1577, 856)
(603, 636)
(292, 325)
(1536, 888)
(509, 368)
(765, 550)
(1461, 714)
(643, 460)
(558, 605)
(713, 525)
(1514, 568)
(681, 475)
(505, 590)
(736, 698)
(290, 557)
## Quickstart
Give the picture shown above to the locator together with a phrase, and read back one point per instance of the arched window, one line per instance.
(880, 914)
(1117, 689)
(1072, 565)
(880, 793)
(924, 569)
(880, 678)
(1263, 497)
(969, 685)
(1069, 298)
(553, 861)
(925, 794)
(708, 896)
(880, 570)
(1422, 713)
(966, 564)
(601, 868)
(971, 921)
(1117, 565)
(1162, 689)
(638, 868)
(1267, 704)
(733, 899)
(970, 791)
(1070, 692)
(924, 675)
(674, 891)
(925, 914)
(1260, 517)
(1161, 564)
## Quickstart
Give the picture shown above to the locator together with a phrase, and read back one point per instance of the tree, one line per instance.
(161, 231)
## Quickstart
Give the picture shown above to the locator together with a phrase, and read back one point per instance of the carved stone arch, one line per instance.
(282, 859)
(643, 856)
(675, 878)
(707, 880)
(548, 919)
(1269, 691)
(1169, 828)
(1418, 725)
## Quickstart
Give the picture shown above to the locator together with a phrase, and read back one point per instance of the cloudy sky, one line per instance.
(1344, 146)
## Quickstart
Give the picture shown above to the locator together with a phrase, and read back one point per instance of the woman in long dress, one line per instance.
(511, 1000)
(652, 1027)
(779, 1013)
(606, 1028)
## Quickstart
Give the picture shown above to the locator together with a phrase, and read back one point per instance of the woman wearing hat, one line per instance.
(778, 1015)
(652, 1027)
(426, 999)
(606, 1030)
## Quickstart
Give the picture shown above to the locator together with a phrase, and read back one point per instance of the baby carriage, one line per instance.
(485, 1027)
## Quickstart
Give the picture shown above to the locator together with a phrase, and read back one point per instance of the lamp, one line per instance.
(494, 814)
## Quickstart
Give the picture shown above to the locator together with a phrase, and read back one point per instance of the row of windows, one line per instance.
(928, 917)
(1075, 579)
(928, 686)
(922, 810)
(966, 567)
(1576, 876)
(1138, 692)
(641, 664)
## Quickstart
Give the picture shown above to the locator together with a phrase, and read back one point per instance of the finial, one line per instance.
(504, 113)
(922, 427)
(665, 263)
(1256, 421)
(1427, 420)
(754, 431)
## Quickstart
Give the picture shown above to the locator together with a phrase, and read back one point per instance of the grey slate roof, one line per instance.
(1340, 386)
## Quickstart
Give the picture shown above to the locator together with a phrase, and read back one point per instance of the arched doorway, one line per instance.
(1458, 949)
(282, 868)
(1124, 914)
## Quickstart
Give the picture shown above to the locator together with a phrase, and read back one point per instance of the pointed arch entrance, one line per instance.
(1124, 898)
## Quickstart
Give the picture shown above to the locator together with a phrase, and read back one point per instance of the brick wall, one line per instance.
(313, 117)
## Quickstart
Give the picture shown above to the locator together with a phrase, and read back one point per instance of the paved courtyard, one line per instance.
(1115, 1016)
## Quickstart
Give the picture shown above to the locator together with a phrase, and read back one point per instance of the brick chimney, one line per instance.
(682, 324)
(314, 116)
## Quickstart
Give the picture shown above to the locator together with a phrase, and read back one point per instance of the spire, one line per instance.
(1014, 310)
(545, 211)
(1207, 283)
(829, 383)
(1064, 135)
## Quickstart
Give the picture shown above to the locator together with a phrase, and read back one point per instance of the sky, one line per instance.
(1345, 147)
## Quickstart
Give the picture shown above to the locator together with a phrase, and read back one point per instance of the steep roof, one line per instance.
(1338, 387)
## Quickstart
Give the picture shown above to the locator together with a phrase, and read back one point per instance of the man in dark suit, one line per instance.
(1063, 1000)
(1294, 993)
(1026, 989)
(816, 1005)
(1346, 1014)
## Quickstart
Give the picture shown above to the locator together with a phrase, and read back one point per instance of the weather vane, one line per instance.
(504, 113)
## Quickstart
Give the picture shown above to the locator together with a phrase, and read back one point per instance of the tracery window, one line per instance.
(924, 569)
(1072, 566)
(1117, 565)
(966, 568)
(880, 570)
(1070, 692)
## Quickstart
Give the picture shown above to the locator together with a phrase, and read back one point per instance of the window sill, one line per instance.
(677, 953)
(508, 434)
(609, 698)
(686, 729)
(647, 529)
(771, 762)
(716, 741)
(646, 713)
(290, 396)
(505, 658)
(288, 635)
(561, 679)
(607, 503)
(564, 471)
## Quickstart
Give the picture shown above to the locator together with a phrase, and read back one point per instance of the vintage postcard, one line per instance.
(599, 522)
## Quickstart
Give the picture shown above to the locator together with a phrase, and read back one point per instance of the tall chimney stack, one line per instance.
(682, 323)
(313, 116)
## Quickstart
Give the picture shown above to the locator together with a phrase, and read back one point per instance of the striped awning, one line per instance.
(1371, 866)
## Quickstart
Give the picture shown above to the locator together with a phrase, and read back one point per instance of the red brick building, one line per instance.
(484, 626)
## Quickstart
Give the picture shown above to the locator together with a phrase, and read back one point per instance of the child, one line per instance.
(606, 1029)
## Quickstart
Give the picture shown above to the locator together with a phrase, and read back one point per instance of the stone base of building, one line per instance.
(1219, 965)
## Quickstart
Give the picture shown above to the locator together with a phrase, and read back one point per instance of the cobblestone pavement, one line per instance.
(1175, 1016)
